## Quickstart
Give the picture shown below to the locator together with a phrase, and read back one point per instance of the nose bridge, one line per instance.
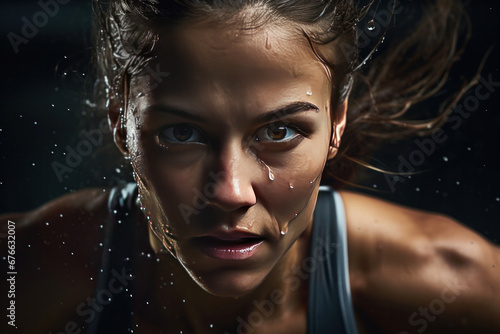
(235, 184)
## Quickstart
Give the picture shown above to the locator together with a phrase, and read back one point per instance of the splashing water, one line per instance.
(370, 25)
(152, 210)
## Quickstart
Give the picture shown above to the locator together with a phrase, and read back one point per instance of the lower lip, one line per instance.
(229, 250)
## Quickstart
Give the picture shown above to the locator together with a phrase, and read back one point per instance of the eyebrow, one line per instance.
(279, 113)
(176, 112)
(287, 110)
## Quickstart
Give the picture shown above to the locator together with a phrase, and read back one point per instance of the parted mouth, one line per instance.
(234, 246)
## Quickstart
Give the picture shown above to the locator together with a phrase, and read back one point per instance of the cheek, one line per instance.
(171, 186)
(296, 177)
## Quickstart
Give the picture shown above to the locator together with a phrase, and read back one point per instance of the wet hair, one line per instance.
(381, 94)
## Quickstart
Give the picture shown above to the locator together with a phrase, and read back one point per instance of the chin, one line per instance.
(229, 283)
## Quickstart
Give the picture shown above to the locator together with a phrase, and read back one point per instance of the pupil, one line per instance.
(182, 133)
(277, 132)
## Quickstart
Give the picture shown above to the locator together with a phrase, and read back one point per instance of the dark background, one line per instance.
(43, 111)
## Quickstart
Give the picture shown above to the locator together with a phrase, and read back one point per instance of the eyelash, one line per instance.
(299, 134)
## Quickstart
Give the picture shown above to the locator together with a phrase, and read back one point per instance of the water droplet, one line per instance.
(284, 229)
(271, 174)
(268, 44)
(370, 25)
(291, 186)
(309, 93)
(314, 180)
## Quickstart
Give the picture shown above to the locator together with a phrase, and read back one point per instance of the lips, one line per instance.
(229, 246)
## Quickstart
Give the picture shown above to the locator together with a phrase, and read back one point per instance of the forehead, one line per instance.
(210, 60)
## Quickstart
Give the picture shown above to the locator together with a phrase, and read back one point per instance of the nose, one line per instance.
(233, 178)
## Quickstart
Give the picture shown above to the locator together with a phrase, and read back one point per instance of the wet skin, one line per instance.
(244, 120)
(401, 261)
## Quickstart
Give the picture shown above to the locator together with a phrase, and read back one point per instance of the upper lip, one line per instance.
(232, 235)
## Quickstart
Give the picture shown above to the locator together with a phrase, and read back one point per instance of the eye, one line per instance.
(277, 133)
(181, 134)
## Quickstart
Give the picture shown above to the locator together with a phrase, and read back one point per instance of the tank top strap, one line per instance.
(330, 308)
(113, 310)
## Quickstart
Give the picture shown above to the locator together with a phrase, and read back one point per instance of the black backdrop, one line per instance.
(44, 115)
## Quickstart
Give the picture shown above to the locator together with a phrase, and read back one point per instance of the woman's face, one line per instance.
(230, 132)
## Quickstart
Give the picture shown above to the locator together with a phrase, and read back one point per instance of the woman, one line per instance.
(232, 114)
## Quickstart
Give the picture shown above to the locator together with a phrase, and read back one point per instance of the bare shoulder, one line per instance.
(56, 258)
(413, 270)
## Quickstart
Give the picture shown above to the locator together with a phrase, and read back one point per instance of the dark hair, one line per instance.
(382, 94)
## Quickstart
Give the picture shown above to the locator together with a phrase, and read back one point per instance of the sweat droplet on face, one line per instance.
(268, 44)
(284, 229)
(270, 173)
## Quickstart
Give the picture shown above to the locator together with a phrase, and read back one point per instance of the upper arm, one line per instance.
(414, 271)
(472, 264)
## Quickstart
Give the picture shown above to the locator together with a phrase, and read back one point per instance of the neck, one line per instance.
(282, 294)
